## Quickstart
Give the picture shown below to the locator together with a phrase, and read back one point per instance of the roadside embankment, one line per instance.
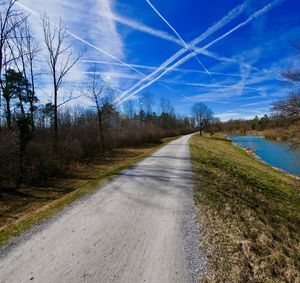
(251, 214)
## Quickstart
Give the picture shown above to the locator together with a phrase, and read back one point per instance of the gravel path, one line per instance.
(140, 227)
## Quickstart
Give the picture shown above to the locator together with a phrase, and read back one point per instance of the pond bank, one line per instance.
(278, 154)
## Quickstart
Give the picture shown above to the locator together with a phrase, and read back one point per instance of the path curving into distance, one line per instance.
(139, 227)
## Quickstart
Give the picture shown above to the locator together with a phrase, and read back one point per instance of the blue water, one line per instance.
(278, 154)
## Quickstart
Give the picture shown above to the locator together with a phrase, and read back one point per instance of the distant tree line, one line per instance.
(285, 114)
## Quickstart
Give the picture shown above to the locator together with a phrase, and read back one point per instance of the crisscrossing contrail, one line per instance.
(255, 15)
(178, 35)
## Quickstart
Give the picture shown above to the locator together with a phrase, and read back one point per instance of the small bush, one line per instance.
(9, 151)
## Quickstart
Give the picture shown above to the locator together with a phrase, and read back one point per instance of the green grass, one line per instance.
(250, 213)
(22, 208)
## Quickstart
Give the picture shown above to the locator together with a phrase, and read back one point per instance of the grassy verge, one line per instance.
(250, 213)
(24, 207)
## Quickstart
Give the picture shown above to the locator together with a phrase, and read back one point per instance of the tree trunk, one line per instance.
(8, 114)
(21, 167)
(55, 113)
(101, 131)
(21, 105)
(32, 115)
(200, 128)
(32, 99)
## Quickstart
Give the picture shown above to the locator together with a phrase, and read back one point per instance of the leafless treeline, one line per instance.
(39, 139)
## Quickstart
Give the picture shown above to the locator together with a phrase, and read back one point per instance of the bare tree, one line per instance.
(96, 89)
(166, 106)
(129, 108)
(288, 108)
(293, 76)
(147, 102)
(10, 19)
(146, 107)
(203, 115)
(60, 58)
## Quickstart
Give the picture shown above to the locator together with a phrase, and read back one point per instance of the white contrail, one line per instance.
(27, 9)
(176, 82)
(187, 57)
(104, 52)
(251, 18)
(177, 34)
(86, 42)
(112, 74)
(143, 28)
(224, 59)
(224, 21)
(167, 23)
(151, 68)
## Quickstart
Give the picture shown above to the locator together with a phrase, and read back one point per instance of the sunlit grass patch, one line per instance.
(250, 214)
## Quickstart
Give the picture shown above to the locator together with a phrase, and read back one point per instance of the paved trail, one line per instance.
(135, 229)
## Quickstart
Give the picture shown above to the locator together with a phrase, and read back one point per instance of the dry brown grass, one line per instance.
(21, 208)
(291, 133)
(250, 214)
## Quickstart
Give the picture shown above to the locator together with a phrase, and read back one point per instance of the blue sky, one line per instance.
(227, 54)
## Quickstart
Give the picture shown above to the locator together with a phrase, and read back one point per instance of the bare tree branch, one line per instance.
(60, 59)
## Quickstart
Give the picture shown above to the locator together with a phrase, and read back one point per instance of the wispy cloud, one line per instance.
(264, 102)
(141, 27)
(87, 43)
(211, 86)
(244, 113)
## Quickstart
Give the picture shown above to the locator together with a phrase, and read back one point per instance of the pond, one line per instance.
(276, 153)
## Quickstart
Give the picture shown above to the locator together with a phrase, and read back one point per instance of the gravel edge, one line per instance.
(191, 233)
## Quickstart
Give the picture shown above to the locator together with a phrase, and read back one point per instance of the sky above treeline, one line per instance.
(229, 55)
